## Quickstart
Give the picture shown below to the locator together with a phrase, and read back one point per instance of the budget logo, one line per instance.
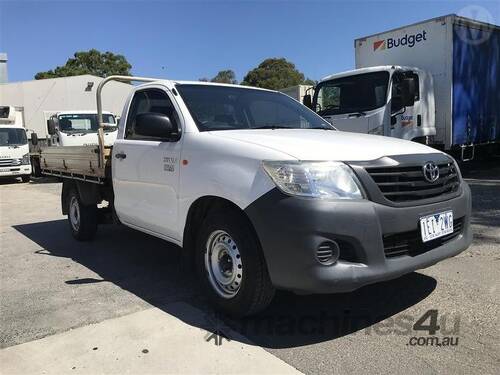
(408, 40)
(379, 44)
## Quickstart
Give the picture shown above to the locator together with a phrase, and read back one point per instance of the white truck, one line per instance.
(262, 193)
(73, 128)
(79, 128)
(435, 82)
(14, 148)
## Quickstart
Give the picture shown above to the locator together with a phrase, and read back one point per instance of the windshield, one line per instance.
(12, 137)
(357, 93)
(230, 108)
(84, 122)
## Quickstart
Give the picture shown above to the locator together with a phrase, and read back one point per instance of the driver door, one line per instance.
(146, 170)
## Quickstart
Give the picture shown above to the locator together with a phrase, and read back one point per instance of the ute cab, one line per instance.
(79, 128)
(14, 149)
(394, 101)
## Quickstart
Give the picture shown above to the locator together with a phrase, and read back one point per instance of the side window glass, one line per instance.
(149, 101)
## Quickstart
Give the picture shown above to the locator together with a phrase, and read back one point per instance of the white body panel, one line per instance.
(157, 182)
(432, 53)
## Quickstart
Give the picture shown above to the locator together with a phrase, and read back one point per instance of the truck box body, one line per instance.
(296, 92)
(463, 57)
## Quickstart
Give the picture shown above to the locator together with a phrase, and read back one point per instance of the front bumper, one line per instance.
(13, 171)
(290, 230)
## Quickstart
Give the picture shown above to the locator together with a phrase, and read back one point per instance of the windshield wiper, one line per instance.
(272, 127)
(356, 114)
(322, 128)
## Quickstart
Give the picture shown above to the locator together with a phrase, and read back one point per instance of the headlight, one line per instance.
(25, 159)
(327, 180)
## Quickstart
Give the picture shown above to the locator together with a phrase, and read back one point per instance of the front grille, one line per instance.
(404, 184)
(410, 243)
(9, 162)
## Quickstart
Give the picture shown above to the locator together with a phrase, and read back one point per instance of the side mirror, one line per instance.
(34, 139)
(155, 125)
(307, 101)
(52, 125)
(408, 92)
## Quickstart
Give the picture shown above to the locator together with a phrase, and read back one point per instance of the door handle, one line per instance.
(120, 155)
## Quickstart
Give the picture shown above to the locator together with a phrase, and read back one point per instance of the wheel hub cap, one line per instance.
(223, 264)
(74, 213)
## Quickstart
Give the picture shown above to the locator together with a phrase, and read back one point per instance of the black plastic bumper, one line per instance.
(290, 230)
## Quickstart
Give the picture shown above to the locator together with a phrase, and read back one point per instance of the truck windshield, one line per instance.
(357, 93)
(230, 108)
(12, 137)
(84, 122)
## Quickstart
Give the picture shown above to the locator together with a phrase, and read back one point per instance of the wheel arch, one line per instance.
(89, 193)
(199, 210)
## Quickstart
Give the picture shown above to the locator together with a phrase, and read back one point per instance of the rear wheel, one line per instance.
(82, 218)
(231, 266)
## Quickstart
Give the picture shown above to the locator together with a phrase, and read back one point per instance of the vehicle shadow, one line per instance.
(10, 180)
(152, 270)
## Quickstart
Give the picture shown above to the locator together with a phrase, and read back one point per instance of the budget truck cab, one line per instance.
(394, 101)
(262, 193)
(14, 149)
(450, 64)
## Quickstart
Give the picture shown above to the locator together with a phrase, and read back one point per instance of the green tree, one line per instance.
(225, 76)
(275, 74)
(101, 64)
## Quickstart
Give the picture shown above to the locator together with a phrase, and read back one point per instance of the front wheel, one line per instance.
(26, 178)
(82, 218)
(231, 266)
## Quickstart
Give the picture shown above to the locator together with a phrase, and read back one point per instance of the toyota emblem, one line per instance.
(431, 171)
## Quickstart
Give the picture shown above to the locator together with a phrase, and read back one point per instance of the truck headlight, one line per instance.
(26, 159)
(326, 180)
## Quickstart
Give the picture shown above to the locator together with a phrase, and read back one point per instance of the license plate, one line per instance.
(437, 225)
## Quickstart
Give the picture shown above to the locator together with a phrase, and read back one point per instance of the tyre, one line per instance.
(25, 178)
(231, 266)
(36, 169)
(82, 219)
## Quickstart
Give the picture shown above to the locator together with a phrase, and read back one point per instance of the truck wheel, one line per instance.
(82, 219)
(25, 178)
(36, 169)
(231, 267)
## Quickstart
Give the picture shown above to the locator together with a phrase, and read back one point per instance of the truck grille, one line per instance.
(9, 162)
(410, 243)
(404, 184)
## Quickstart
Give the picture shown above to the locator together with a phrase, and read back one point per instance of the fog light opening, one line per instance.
(328, 252)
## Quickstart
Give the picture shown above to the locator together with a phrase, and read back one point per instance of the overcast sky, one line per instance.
(194, 39)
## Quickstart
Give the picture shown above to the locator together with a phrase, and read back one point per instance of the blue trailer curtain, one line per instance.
(476, 85)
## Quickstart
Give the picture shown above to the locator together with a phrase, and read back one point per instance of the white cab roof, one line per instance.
(382, 68)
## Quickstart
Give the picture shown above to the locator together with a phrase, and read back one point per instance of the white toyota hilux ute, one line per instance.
(263, 194)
